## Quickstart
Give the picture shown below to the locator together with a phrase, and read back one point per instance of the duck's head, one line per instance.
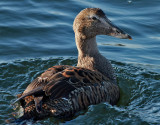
(93, 21)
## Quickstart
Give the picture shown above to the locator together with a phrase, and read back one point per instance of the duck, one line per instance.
(63, 90)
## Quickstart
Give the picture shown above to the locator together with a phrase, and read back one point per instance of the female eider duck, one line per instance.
(61, 91)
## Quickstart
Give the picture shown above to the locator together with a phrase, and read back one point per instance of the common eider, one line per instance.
(63, 90)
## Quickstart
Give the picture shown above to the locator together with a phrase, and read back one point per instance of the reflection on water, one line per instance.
(35, 35)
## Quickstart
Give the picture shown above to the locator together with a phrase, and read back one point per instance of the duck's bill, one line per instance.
(117, 32)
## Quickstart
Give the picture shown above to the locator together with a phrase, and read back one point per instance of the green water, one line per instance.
(37, 34)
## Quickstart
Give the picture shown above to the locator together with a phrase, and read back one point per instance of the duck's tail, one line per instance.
(58, 108)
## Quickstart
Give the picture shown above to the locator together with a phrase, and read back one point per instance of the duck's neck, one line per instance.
(87, 47)
(90, 58)
(87, 51)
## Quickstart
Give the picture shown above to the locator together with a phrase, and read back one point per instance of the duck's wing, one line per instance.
(71, 79)
(85, 86)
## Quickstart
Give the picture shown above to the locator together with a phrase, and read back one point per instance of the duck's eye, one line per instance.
(94, 18)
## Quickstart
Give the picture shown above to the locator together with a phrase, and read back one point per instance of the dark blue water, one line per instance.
(37, 34)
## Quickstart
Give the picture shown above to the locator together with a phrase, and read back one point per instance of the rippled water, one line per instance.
(37, 34)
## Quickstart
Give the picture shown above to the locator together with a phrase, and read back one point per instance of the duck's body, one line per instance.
(67, 90)
(61, 91)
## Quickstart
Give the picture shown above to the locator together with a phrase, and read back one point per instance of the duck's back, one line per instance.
(61, 91)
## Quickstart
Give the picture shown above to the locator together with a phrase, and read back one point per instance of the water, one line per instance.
(37, 34)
